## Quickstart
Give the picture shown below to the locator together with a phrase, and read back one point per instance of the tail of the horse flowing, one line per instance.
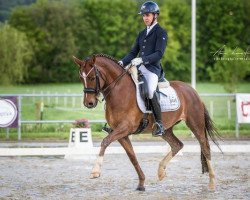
(210, 129)
(213, 134)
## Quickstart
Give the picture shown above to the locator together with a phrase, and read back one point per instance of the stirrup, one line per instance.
(106, 129)
(159, 131)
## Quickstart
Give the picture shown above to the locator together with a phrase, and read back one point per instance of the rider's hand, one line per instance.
(136, 61)
(120, 63)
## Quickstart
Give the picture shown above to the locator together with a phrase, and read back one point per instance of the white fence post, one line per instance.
(65, 101)
(19, 117)
(228, 109)
(56, 100)
(73, 102)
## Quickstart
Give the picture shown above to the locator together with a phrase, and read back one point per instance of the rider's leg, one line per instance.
(152, 80)
(156, 108)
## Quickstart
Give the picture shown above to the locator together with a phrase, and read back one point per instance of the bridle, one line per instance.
(97, 89)
(97, 77)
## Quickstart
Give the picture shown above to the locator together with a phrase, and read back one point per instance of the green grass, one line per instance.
(76, 88)
(218, 88)
(71, 108)
(45, 88)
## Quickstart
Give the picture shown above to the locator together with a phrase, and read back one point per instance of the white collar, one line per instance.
(149, 28)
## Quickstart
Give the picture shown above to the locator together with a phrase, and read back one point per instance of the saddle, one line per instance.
(143, 85)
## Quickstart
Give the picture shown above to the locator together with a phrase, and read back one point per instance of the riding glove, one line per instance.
(120, 63)
(136, 61)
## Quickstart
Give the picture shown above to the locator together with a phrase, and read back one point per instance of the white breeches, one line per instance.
(151, 78)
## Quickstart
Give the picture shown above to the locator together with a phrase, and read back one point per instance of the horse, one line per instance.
(101, 73)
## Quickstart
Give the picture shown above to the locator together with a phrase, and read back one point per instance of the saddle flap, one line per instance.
(143, 85)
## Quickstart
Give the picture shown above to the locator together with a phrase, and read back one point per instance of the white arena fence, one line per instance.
(221, 107)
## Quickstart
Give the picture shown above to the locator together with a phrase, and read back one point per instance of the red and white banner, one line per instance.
(243, 108)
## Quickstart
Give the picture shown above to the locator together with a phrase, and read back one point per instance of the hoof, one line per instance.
(162, 175)
(94, 175)
(211, 187)
(140, 188)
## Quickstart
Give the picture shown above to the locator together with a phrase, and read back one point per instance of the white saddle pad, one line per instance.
(169, 100)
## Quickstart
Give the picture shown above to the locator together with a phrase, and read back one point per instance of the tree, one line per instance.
(48, 25)
(6, 6)
(114, 25)
(15, 55)
(58, 29)
(231, 67)
(111, 27)
(175, 17)
(218, 23)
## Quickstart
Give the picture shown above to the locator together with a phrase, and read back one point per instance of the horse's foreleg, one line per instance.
(126, 144)
(176, 145)
(115, 135)
(96, 171)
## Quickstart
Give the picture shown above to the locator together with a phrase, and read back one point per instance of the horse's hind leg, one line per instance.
(206, 162)
(199, 132)
(175, 144)
(126, 144)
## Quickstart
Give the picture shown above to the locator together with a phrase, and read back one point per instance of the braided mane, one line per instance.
(106, 56)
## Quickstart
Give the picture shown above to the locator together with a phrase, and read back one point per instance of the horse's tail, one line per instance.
(210, 129)
(213, 133)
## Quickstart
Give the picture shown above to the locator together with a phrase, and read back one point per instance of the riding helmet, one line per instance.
(149, 7)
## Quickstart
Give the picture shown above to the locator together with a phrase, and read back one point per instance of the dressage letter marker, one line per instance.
(80, 143)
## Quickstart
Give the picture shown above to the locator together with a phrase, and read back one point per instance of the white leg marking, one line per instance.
(96, 171)
(211, 175)
(163, 164)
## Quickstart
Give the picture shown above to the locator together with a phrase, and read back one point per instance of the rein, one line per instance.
(115, 82)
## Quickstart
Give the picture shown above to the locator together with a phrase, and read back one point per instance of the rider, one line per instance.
(150, 45)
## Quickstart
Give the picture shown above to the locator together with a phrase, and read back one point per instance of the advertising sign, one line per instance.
(8, 112)
(243, 108)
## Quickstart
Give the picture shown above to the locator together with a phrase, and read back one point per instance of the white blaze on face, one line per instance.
(84, 76)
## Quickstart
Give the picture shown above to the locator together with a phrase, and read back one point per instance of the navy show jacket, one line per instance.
(150, 48)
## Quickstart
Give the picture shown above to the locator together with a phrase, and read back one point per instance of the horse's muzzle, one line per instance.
(90, 104)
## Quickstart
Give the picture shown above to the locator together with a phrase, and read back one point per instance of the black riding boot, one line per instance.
(157, 115)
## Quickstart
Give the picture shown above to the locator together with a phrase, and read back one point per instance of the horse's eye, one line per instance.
(91, 78)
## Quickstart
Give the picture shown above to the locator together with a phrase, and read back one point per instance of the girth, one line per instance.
(143, 124)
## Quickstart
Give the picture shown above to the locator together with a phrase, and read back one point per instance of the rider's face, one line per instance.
(148, 18)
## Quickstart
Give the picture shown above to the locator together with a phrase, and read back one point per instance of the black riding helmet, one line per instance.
(149, 7)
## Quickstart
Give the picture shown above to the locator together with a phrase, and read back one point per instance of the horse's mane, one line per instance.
(106, 56)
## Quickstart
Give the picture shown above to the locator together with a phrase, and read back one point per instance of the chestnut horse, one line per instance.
(102, 74)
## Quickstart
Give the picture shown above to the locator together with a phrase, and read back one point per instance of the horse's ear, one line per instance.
(78, 61)
(93, 60)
